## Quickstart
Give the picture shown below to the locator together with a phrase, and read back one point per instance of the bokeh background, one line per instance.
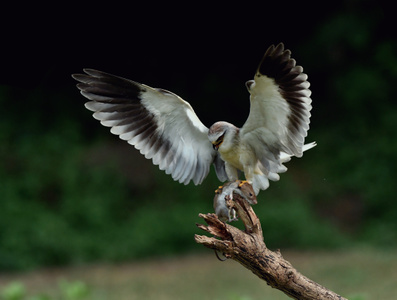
(73, 194)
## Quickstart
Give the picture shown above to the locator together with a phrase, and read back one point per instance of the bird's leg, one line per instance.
(249, 176)
(231, 172)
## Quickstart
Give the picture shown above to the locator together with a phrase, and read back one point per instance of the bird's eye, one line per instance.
(251, 194)
(219, 139)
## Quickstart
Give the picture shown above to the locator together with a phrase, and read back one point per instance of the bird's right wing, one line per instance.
(160, 124)
(280, 109)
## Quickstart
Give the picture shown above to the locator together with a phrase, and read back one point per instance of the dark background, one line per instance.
(71, 192)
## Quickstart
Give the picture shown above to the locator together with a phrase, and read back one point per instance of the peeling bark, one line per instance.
(249, 249)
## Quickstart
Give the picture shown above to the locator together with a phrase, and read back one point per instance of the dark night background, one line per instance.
(64, 174)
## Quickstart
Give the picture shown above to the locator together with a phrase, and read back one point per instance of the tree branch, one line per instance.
(249, 249)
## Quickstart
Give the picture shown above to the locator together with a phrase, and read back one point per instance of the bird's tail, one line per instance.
(309, 146)
(284, 157)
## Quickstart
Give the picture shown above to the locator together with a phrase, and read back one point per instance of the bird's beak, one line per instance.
(218, 142)
(216, 145)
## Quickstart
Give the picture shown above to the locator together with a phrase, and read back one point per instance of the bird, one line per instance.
(165, 128)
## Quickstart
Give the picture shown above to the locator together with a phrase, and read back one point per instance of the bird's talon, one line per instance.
(242, 183)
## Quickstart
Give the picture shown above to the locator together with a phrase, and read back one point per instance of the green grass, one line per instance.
(358, 274)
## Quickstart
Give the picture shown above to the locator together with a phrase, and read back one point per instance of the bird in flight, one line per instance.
(165, 128)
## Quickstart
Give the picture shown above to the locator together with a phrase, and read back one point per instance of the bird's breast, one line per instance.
(233, 157)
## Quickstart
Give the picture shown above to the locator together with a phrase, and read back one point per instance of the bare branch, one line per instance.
(249, 249)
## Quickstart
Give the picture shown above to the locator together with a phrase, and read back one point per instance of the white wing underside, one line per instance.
(160, 124)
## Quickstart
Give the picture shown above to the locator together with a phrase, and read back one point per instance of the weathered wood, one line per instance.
(249, 249)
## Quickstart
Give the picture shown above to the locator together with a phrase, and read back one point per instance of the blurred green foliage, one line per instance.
(68, 291)
(13, 291)
(357, 137)
(60, 208)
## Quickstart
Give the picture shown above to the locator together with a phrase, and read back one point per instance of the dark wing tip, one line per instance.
(276, 63)
(96, 73)
(105, 84)
(87, 71)
(78, 77)
(278, 50)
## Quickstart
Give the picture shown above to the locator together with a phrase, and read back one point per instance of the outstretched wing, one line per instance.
(160, 124)
(280, 108)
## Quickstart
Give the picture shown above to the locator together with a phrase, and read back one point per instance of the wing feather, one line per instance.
(160, 124)
(280, 108)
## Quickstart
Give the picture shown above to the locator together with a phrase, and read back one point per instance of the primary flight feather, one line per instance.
(165, 128)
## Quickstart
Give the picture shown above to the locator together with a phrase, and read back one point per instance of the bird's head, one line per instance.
(219, 132)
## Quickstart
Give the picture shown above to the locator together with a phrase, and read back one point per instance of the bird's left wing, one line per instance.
(280, 108)
(160, 124)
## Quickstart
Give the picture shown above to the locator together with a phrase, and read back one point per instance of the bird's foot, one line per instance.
(243, 182)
